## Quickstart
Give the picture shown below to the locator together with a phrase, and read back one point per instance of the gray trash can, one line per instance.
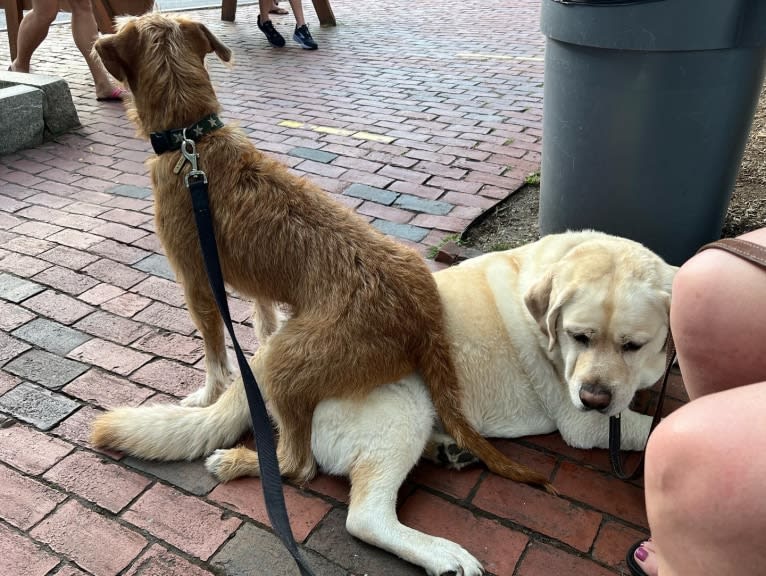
(646, 112)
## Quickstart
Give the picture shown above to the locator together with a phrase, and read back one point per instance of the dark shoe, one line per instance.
(303, 37)
(274, 37)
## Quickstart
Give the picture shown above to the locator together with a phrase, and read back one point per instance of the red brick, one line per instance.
(170, 377)
(162, 290)
(175, 346)
(65, 280)
(76, 428)
(115, 273)
(109, 356)
(22, 265)
(594, 458)
(460, 199)
(70, 571)
(69, 257)
(19, 555)
(95, 543)
(179, 320)
(58, 307)
(78, 222)
(385, 212)
(449, 223)
(245, 495)
(49, 200)
(119, 232)
(403, 174)
(13, 316)
(126, 217)
(455, 185)
(85, 209)
(157, 561)
(29, 450)
(97, 480)
(453, 482)
(336, 487)
(613, 543)
(111, 327)
(539, 511)
(119, 252)
(498, 548)
(430, 192)
(186, 522)
(23, 501)
(107, 391)
(27, 245)
(466, 212)
(75, 239)
(544, 560)
(127, 305)
(37, 229)
(101, 293)
(603, 492)
(7, 381)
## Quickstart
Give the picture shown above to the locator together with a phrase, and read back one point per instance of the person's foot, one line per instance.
(274, 37)
(642, 560)
(303, 37)
(112, 94)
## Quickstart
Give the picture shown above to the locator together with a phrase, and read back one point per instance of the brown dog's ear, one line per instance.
(119, 52)
(539, 300)
(205, 41)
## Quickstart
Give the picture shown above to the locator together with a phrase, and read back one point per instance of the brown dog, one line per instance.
(365, 309)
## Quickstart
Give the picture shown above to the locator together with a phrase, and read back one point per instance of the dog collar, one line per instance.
(171, 139)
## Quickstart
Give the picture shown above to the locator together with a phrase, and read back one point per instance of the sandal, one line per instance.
(115, 95)
(630, 560)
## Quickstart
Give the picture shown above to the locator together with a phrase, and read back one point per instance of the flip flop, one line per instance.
(116, 95)
(630, 560)
(278, 11)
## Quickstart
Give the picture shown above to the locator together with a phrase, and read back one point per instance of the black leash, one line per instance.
(615, 421)
(271, 480)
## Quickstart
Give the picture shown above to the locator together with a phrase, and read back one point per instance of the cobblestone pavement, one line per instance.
(418, 115)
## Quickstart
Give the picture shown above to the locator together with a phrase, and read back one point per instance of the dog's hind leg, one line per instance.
(206, 317)
(226, 465)
(442, 449)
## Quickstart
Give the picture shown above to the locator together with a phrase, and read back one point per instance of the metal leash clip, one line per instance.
(189, 151)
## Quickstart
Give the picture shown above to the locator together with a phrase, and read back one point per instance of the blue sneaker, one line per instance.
(303, 37)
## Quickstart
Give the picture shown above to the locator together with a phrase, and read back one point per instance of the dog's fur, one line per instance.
(518, 323)
(365, 309)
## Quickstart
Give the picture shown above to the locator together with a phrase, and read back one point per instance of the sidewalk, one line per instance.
(419, 119)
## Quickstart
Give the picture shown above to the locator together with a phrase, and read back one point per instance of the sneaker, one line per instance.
(274, 37)
(303, 37)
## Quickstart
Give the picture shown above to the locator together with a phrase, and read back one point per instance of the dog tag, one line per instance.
(179, 164)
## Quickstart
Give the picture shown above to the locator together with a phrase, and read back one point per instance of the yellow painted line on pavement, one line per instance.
(478, 56)
(338, 131)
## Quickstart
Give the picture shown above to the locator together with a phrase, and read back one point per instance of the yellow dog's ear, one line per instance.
(544, 306)
(119, 52)
(204, 41)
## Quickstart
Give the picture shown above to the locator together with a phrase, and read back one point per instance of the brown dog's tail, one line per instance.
(438, 370)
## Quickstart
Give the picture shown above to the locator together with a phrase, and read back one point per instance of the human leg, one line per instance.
(718, 319)
(85, 33)
(32, 31)
(265, 25)
(302, 35)
(704, 496)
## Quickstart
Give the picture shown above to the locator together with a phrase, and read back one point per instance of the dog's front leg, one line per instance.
(372, 518)
(204, 313)
(591, 429)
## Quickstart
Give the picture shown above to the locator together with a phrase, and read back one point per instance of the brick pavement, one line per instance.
(416, 117)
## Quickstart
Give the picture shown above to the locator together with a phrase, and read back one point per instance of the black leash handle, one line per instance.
(271, 479)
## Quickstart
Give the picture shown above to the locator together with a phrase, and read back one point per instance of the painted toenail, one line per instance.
(641, 553)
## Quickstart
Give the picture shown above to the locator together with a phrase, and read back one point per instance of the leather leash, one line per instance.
(271, 479)
(754, 253)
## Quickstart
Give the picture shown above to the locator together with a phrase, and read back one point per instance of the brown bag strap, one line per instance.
(745, 249)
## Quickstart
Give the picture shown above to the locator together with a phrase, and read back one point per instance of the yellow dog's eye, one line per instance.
(583, 339)
(631, 346)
